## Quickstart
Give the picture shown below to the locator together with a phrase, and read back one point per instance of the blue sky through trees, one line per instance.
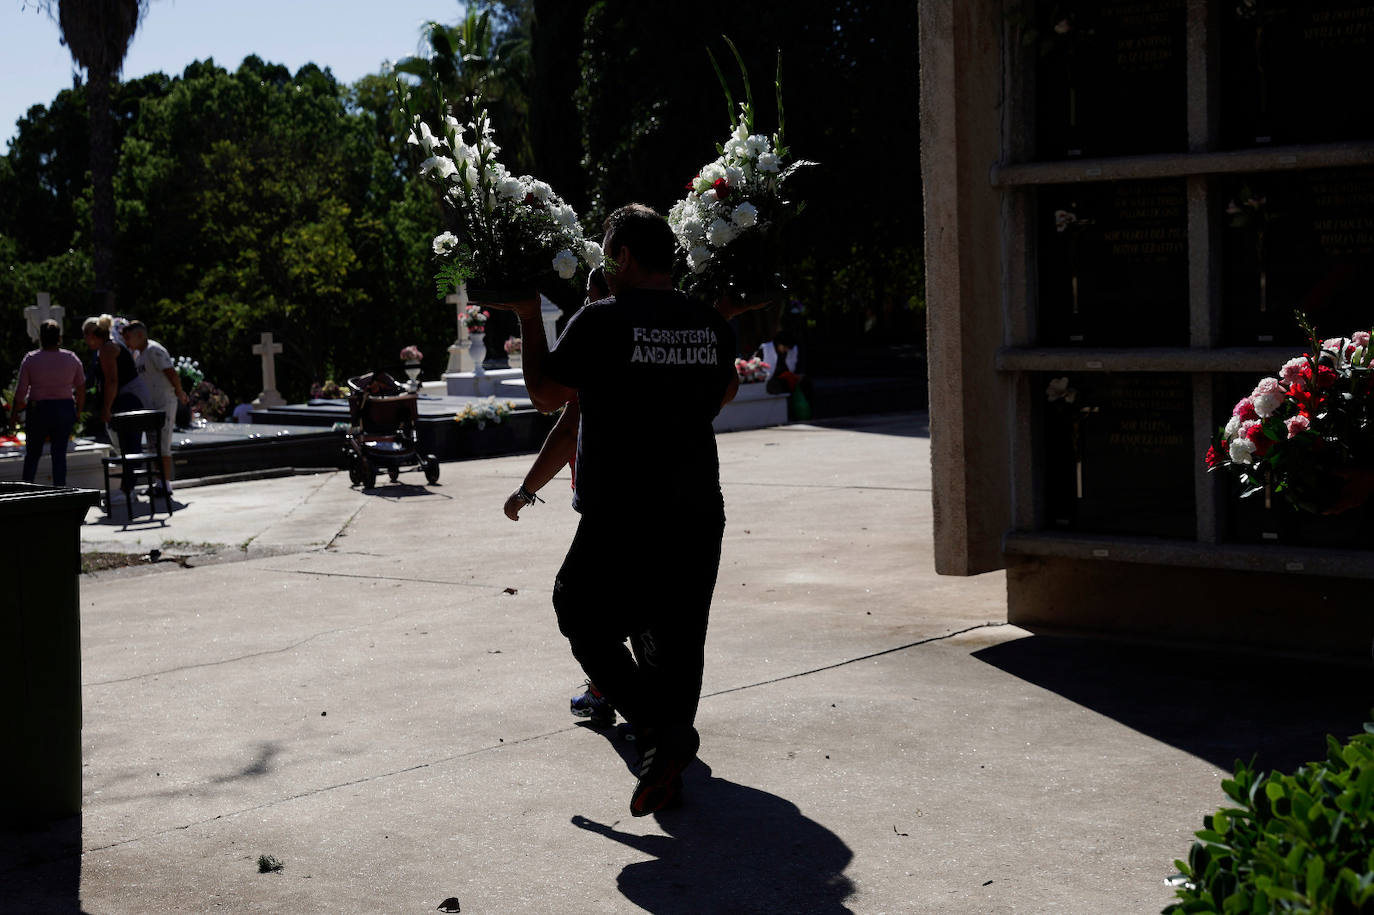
(351, 37)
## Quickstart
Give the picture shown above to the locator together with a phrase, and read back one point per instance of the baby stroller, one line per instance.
(381, 431)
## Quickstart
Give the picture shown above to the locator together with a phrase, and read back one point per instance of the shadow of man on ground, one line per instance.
(732, 848)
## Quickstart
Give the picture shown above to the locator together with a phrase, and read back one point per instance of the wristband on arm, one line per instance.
(524, 495)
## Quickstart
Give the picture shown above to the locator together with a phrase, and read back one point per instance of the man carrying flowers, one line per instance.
(644, 560)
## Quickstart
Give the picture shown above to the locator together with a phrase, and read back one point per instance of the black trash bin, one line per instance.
(40, 650)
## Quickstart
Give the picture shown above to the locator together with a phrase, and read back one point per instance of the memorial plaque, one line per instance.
(1113, 264)
(1302, 240)
(1111, 78)
(1296, 71)
(1119, 458)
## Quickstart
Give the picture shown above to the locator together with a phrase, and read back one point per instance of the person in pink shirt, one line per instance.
(52, 385)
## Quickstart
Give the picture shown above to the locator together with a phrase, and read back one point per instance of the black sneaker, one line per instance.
(660, 770)
(593, 706)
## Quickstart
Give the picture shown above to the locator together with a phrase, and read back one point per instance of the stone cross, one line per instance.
(43, 311)
(268, 350)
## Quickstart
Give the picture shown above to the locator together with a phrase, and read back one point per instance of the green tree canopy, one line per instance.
(247, 201)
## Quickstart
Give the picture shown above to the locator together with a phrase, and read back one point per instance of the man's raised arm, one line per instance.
(546, 394)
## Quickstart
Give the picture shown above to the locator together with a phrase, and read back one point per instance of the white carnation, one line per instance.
(745, 215)
(541, 191)
(720, 232)
(565, 264)
(1242, 451)
(758, 144)
(698, 257)
(592, 254)
(566, 216)
(734, 175)
(768, 162)
(1232, 427)
(713, 173)
(511, 188)
(445, 243)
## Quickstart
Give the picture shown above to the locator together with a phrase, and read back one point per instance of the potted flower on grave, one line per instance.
(728, 226)
(507, 235)
(1306, 434)
(752, 371)
(412, 356)
(191, 377)
(329, 390)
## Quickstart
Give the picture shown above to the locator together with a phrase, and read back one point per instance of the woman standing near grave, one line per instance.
(52, 384)
(119, 388)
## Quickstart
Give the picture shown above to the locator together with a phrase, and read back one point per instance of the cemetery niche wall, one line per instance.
(1169, 181)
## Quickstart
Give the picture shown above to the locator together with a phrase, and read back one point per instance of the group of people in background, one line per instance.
(127, 370)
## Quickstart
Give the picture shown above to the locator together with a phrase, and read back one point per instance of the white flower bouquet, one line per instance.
(506, 234)
(728, 225)
(483, 412)
(1305, 433)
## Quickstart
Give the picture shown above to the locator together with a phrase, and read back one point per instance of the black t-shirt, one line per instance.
(650, 368)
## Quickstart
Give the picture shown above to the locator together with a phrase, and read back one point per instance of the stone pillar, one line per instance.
(268, 350)
(458, 359)
(970, 407)
(550, 313)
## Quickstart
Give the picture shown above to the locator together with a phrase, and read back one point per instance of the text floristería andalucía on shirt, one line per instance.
(664, 346)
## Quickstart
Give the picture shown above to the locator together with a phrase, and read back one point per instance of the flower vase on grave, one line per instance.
(183, 417)
(413, 373)
(477, 349)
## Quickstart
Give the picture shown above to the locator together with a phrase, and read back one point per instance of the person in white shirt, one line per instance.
(159, 374)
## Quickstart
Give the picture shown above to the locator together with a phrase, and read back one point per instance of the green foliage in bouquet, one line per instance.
(728, 227)
(504, 232)
(1304, 430)
(1293, 843)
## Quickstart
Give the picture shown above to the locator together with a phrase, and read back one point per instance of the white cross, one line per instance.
(43, 311)
(268, 350)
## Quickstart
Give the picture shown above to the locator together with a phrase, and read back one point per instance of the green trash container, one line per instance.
(40, 650)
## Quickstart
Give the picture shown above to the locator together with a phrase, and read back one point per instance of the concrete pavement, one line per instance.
(374, 692)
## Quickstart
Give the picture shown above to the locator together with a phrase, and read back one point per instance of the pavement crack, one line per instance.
(343, 528)
(242, 657)
(876, 654)
(400, 578)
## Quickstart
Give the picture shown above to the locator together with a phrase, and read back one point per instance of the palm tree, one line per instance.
(98, 32)
(476, 62)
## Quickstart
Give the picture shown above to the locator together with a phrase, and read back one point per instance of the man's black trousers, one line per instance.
(649, 582)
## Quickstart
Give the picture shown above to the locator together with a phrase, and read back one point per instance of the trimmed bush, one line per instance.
(1296, 843)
